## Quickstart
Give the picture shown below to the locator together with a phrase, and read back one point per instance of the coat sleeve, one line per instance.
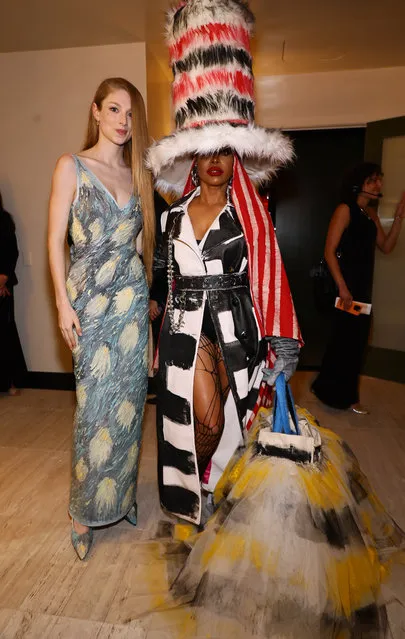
(159, 288)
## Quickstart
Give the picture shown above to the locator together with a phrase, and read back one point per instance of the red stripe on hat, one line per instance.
(213, 33)
(188, 86)
(200, 123)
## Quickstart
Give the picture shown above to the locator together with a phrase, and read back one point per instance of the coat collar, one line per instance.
(188, 253)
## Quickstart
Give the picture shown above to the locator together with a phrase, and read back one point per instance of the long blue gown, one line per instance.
(107, 288)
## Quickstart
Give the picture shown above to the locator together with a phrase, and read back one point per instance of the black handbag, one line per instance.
(324, 286)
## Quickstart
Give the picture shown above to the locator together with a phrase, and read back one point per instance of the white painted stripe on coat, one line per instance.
(178, 381)
(174, 477)
(242, 382)
(163, 220)
(233, 239)
(191, 322)
(179, 435)
(227, 326)
(188, 256)
(257, 376)
(214, 267)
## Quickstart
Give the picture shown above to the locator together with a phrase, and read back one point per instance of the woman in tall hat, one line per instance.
(230, 321)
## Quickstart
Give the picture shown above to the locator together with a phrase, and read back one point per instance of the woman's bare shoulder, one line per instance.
(342, 209)
(65, 163)
(65, 171)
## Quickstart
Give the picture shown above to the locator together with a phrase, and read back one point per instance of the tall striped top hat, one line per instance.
(213, 94)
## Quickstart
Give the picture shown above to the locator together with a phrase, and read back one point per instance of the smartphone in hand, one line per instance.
(356, 308)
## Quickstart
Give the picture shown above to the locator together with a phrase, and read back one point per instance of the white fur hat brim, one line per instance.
(261, 150)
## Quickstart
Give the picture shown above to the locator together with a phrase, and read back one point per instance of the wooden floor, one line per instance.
(47, 593)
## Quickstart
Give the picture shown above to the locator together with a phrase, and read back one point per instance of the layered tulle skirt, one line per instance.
(293, 551)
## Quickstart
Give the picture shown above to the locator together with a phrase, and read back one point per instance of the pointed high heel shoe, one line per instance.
(132, 515)
(81, 543)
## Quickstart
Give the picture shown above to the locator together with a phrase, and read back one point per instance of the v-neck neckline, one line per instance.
(200, 243)
(103, 186)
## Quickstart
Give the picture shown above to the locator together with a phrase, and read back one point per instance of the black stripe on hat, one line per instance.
(216, 55)
(213, 104)
(228, 11)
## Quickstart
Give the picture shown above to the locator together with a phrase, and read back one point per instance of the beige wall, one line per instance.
(43, 111)
(159, 95)
(341, 98)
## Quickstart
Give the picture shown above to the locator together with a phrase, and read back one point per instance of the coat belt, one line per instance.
(210, 282)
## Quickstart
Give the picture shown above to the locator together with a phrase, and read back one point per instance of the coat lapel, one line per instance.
(186, 250)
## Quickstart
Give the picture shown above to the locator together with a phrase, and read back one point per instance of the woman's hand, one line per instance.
(346, 297)
(154, 310)
(67, 321)
(4, 292)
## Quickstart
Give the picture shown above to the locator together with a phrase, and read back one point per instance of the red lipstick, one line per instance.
(214, 171)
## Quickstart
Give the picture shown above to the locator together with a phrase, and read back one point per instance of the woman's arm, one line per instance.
(339, 222)
(62, 195)
(386, 242)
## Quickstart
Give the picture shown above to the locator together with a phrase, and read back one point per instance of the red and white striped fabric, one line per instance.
(269, 286)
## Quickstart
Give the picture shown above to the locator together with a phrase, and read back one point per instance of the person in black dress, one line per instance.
(12, 363)
(354, 232)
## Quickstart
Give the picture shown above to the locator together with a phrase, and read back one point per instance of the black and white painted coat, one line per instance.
(222, 250)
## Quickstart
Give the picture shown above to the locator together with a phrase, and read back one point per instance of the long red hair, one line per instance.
(134, 156)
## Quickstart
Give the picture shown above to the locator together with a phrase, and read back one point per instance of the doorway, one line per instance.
(305, 195)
